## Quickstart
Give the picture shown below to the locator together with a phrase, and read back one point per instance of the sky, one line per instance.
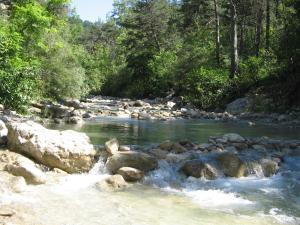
(92, 10)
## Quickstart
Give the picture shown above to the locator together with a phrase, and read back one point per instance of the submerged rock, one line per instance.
(67, 150)
(112, 183)
(112, 146)
(131, 174)
(197, 168)
(137, 160)
(232, 165)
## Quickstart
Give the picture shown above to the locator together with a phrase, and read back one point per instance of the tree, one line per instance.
(217, 21)
(234, 39)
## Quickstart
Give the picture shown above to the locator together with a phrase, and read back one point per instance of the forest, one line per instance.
(208, 51)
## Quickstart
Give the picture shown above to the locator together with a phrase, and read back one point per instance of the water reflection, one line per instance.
(137, 132)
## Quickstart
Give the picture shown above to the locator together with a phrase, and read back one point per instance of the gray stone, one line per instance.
(75, 103)
(130, 174)
(166, 145)
(240, 105)
(138, 160)
(232, 165)
(197, 168)
(269, 167)
(112, 183)
(232, 137)
(178, 148)
(138, 103)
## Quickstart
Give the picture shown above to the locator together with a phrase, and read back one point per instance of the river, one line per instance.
(165, 197)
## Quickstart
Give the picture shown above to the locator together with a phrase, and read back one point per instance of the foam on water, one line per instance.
(217, 199)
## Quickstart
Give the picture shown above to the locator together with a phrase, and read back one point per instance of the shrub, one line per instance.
(205, 87)
(18, 87)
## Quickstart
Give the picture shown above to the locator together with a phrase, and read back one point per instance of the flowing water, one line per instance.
(166, 197)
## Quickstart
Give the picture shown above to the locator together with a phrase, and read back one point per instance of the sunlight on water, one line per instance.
(165, 197)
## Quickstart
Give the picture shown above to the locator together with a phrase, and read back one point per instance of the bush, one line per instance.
(18, 88)
(254, 69)
(205, 87)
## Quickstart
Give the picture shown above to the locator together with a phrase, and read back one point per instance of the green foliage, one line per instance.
(254, 69)
(205, 87)
(162, 68)
(147, 49)
(18, 87)
(62, 74)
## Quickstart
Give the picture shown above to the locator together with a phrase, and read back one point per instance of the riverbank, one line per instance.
(76, 112)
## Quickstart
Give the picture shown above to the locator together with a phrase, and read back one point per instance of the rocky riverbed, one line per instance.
(76, 112)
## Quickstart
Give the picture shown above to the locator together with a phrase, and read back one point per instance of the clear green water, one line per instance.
(139, 132)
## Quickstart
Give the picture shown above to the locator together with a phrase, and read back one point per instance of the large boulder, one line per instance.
(197, 168)
(137, 160)
(130, 174)
(240, 105)
(3, 133)
(67, 150)
(232, 165)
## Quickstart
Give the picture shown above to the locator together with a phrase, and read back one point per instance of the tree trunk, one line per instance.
(258, 30)
(241, 47)
(234, 40)
(268, 26)
(217, 20)
(276, 10)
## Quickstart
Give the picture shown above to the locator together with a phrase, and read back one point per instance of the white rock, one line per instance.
(27, 170)
(112, 146)
(68, 150)
(233, 137)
